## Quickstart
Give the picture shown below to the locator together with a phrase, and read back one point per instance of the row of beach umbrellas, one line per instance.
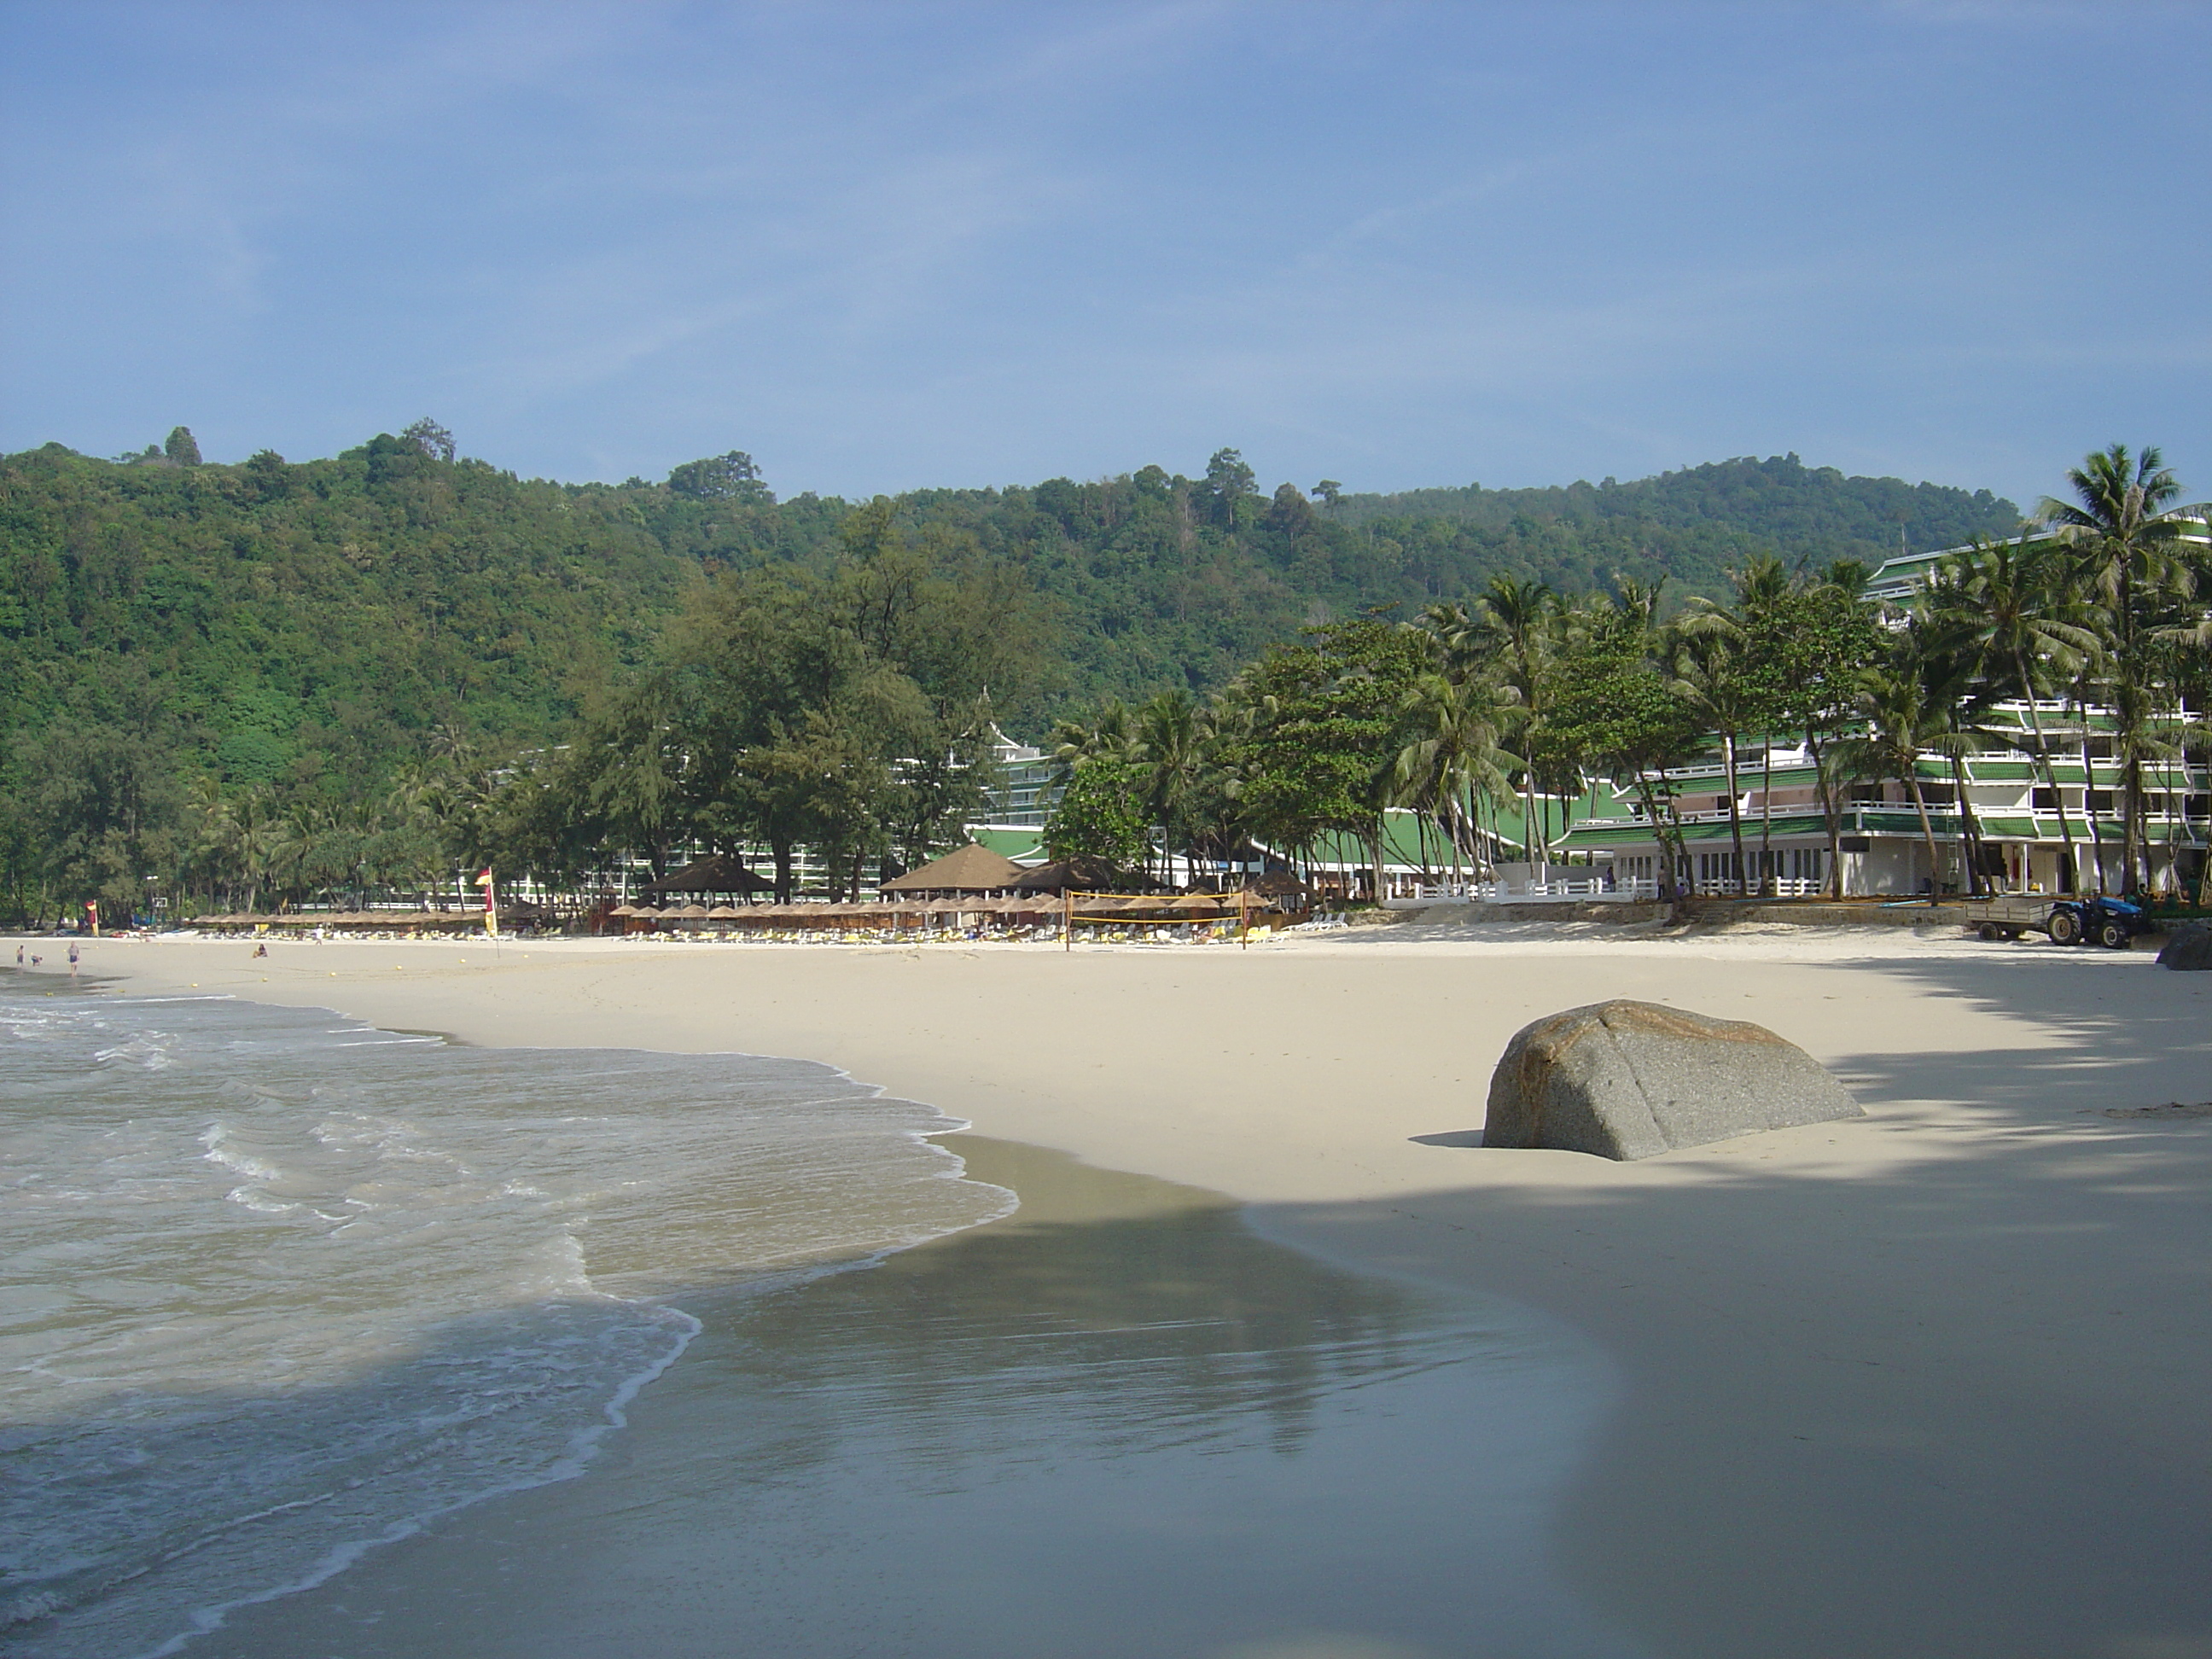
(1087, 906)
(347, 919)
(815, 914)
(1196, 906)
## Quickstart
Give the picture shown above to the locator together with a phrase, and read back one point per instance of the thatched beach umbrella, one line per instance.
(1199, 905)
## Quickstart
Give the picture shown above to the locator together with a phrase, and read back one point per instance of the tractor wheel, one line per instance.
(2112, 936)
(2066, 928)
(1990, 932)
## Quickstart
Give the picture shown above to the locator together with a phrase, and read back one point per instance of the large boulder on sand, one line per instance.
(2190, 946)
(1632, 1080)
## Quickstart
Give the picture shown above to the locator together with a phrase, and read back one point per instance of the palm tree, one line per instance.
(2127, 541)
(1173, 738)
(1462, 643)
(1763, 583)
(2010, 605)
(1951, 662)
(1111, 736)
(210, 834)
(1455, 759)
(1708, 676)
(1901, 720)
(1515, 620)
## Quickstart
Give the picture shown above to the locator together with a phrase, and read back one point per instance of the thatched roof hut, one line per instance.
(712, 876)
(1084, 875)
(970, 869)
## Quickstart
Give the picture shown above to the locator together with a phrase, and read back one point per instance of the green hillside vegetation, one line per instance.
(1695, 526)
(1526, 691)
(321, 644)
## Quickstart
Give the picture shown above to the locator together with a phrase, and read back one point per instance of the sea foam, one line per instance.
(280, 1289)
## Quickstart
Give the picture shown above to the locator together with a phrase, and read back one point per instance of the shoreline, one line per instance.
(1924, 1380)
(1120, 1350)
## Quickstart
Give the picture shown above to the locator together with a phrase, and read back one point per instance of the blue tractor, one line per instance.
(2110, 922)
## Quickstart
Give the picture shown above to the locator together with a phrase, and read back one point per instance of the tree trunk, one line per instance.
(1767, 885)
(2134, 834)
(779, 848)
(1970, 831)
(2050, 771)
(1831, 809)
(1528, 823)
(1669, 889)
(1735, 810)
(2127, 706)
(1912, 780)
(2088, 808)
(1676, 849)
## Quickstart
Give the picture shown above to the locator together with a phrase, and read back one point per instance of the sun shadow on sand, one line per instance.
(1931, 1381)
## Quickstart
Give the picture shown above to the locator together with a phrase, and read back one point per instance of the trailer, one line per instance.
(2069, 920)
(2010, 915)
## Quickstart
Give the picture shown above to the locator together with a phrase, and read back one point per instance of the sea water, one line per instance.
(1118, 1424)
(276, 1287)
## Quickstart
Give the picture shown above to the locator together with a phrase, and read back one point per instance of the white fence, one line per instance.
(1585, 888)
(1579, 889)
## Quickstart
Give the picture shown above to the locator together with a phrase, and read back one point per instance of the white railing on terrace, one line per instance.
(1518, 892)
(1585, 888)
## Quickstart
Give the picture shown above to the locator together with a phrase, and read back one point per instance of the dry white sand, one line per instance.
(1932, 1382)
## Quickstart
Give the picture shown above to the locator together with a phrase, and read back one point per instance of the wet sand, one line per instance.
(1117, 1423)
(1933, 1381)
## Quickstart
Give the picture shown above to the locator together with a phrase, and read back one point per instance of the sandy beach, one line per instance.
(1933, 1381)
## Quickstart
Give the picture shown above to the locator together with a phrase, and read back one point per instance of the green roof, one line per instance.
(1019, 843)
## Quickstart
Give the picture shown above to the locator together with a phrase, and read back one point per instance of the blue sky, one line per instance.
(887, 246)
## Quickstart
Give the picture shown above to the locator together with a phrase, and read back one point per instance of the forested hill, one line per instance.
(313, 625)
(1780, 500)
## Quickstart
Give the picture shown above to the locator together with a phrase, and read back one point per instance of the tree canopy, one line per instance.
(370, 651)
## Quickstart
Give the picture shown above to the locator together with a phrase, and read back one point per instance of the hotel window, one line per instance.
(2100, 800)
(2045, 800)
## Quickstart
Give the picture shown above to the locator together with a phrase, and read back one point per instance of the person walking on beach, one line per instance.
(72, 958)
(18, 959)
